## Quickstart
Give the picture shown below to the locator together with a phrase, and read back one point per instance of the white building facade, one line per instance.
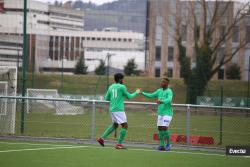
(56, 39)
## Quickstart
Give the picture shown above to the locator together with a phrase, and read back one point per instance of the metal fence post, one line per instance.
(188, 125)
(93, 121)
(221, 118)
(24, 63)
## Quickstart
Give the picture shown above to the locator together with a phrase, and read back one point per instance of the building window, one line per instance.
(72, 44)
(88, 38)
(159, 20)
(93, 38)
(158, 33)
(221, 54)
(221, 74)
(170, 53)
(157, 72)
(248, 32)
(51, 41)
(125, 40)
(51, 48)
(67, 39)
(184, 33)
(114, 39)
(104, 39)
(235, 35)
(158, 53)
(222, 32)
(119, 39)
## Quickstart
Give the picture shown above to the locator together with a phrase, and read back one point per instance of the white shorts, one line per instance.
(119, 117)
(164, 120)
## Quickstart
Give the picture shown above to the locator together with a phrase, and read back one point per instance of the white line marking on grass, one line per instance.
(36, 144)
(132, 149)
(38, 149)
(191, 153)
(178, 152)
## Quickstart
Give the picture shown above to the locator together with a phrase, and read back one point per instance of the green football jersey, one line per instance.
(116, 94)
(164, 95)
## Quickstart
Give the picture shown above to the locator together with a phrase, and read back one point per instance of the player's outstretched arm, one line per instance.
(151, 95)
(129, 95)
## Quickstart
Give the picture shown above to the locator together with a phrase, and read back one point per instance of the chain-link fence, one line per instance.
(229, 97)
(191, 124)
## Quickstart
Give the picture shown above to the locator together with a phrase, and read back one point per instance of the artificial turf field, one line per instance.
(22, 154)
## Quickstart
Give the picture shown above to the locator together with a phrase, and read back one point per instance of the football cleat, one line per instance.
(160, 148)
(100, 141)
(120, 146)
(168, 147)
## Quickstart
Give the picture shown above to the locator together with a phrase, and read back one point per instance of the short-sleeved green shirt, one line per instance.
(166, 96)
(116, 94)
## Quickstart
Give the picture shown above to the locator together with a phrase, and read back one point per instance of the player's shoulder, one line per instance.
(112, 86)
(122, 86)
(159, 89)
(117, 85)
(169, 89)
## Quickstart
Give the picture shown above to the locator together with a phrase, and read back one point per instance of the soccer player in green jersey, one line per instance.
(115, 94)
(164, 97)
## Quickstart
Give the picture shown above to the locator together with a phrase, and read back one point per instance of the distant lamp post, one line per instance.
(108, 64)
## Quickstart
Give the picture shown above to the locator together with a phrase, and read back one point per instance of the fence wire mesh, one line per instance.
(225, 126)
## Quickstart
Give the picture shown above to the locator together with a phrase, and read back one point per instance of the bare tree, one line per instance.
(211, 29)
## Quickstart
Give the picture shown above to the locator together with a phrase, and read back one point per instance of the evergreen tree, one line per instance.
(233, 72)
(80, 67)
(100, 70)
(131, 68)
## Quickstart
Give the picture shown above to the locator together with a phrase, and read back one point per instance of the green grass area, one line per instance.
(142, 125)
(91, 84)
(60, 155)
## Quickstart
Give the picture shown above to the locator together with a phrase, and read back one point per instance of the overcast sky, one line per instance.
(98, 2)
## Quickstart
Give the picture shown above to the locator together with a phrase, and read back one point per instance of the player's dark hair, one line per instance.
(118, 77)
(166, 79)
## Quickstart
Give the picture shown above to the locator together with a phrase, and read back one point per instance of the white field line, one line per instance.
(38, 149)
(36, 144)
(132, 149)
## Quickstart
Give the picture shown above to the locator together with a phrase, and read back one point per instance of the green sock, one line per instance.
(107, 132)
(122, 135)
(161, 137)
(168, 136)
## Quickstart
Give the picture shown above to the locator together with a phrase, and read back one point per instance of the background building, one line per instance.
(56, 38)
(162, 56)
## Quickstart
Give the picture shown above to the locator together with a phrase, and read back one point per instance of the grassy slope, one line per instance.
(84, 85)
